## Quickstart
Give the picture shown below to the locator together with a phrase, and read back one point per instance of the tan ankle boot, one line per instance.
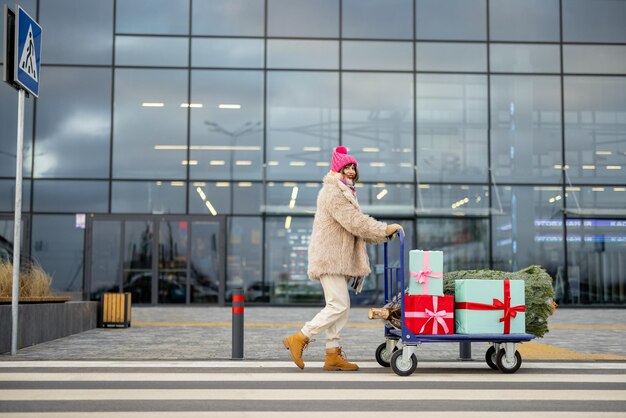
(336, 360)
(296, 344)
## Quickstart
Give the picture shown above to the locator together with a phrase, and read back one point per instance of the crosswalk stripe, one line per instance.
(302, 414)
(306, 394)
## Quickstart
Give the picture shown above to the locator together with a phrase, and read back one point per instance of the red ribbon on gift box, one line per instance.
(425, 273)
(497, 305)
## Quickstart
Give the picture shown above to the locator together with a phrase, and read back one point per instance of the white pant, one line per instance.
(334, 316)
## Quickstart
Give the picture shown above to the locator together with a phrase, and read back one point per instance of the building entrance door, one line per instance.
(158, 259)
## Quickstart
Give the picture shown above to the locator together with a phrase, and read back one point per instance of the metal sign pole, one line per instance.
(17, 235)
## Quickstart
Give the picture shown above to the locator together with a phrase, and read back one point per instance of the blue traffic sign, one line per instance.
(27, 52)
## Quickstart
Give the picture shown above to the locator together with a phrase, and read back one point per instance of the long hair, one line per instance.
(356, 172)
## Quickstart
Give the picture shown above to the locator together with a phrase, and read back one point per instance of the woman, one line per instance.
(336, 255)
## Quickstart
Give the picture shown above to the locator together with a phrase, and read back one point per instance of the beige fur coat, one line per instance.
(340, 231)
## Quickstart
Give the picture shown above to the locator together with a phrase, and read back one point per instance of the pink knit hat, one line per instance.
(341, 159)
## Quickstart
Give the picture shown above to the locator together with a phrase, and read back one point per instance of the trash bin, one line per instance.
(116, 309)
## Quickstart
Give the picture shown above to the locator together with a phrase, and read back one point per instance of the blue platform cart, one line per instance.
(400, 346)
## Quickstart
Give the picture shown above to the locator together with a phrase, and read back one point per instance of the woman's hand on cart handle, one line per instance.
(392, 230)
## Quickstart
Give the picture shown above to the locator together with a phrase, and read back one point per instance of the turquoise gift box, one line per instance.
(426, 273)
(482, 307)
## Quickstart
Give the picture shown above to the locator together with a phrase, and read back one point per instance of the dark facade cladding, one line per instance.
(193, 136)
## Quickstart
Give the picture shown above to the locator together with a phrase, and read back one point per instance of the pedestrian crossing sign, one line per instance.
(27, 52)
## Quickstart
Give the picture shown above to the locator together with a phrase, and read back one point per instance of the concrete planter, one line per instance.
(41, 322)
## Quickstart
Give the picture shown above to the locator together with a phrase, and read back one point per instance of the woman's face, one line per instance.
(349, 172)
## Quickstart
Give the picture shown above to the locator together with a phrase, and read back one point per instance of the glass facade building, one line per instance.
(177, 147)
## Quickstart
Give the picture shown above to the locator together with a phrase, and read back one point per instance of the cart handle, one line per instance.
(400, 273)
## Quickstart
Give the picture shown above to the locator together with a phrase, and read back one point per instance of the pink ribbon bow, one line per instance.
(436, 316)
(426, 272)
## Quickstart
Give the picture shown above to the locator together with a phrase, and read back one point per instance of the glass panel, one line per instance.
(517, 58)
(452, 128)
(392, 56)
(206, 262)
(169, 17)
(528, 20)
(8, 132)
(451, 19)
(7, 195)
(529, 230)
(457, 200)
(172, 261)
(596, 201)
(286, 262)
(224, 197)
(596, 21)
(228, 18)
(77, 31)
(138, 244)
(222, 53)
(598, 59)
(464, 242)
(74, 123)
(595, 128)
(451, 57)
(302, 54)
(526, 129)
(105, 258)
(245, 259)
(60, 258)
(386, 199)
(290, 197)
(303, 124)
(149, 50)
(378, 125)
(317, 19)
(382, 19)
(150, 128)
(226, 125)
(71, 196)
(597, 261)
(156, 197)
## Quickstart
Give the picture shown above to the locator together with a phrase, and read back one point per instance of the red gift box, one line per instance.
(424, 314)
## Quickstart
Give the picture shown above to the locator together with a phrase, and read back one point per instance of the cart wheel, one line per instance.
(508, 366)
(383, 357)
(403, 368)
(491, 358)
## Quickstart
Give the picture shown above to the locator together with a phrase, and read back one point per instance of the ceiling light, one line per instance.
(297, 163)
(371, 149)
(288, 222)
(244, 184)
(192, 105)
(377, 164)
(190, 162)
(243, 162)
(312, 149)
(282, 148)
(597, 189)
(229, 106)
(217, 162)
(210, 207)
(613, 167)
(619, 189)
(382, 194)
(153, 104)
(222, 184)
(603, 152)
(589, 167)
(322, 164)
(201, 193)
(272, 163)
(177, 183)
(294, 192)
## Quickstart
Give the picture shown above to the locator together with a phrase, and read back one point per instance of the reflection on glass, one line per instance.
(226, 125)
(7, 239)
(291, 197)
(378, 124)
(302, 118)
(156, 197)
(286, 260)
(317, 19)
(62, 259)
(529, 230)
(225, 198)
(150, 126)
(451, 19)
(167, 17)
(7, 195)
(528, 20)
(172, 261)
(451, 57)
(105, 258)
(389, 56)
(526, 129)
(227, 53)
(89, 35)
(245, 249)
(596, 21)
(228, 18)
(517, 58)
(206, 263)
(451, 128)
(594, 59)
(138, 237)
(464, 241)
(386, 199)
(595, 201)
(381, 19)
(148, 50)
(71, 196)
(595, 129)
(283, 53)
(457, 200)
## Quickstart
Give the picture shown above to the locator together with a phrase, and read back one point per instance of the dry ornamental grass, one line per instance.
(33, 281)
